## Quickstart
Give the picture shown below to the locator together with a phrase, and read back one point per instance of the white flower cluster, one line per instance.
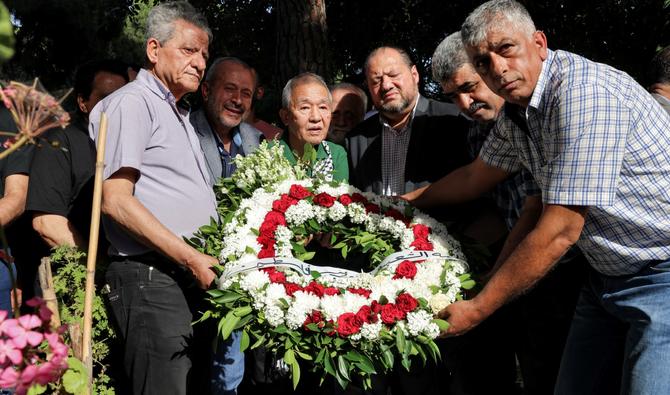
(267, 166)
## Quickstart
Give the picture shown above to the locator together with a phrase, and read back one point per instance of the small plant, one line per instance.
(69, 283)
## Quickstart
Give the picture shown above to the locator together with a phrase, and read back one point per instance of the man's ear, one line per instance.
(81, 103)
(204, 89)
(540, 41)
(152, 50)
(284, 116)
(415, 74)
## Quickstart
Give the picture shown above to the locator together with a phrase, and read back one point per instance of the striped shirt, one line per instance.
(394, 154)
(596, 138)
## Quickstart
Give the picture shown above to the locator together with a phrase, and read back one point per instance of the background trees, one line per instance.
(330, 37)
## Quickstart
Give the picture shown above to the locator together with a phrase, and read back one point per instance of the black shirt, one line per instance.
(61, 177)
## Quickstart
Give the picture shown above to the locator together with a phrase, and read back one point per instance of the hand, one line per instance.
(324, 239)
(201, 268)
(462, 316)
(410, 197)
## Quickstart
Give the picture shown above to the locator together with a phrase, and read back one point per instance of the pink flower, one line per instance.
(9, 352)
(43, 311)
(20, 332)
(8, 377)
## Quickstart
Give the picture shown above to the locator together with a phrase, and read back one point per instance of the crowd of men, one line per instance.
(557, 164)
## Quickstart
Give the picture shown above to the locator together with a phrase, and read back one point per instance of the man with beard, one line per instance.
(411, 142)
(349, 106)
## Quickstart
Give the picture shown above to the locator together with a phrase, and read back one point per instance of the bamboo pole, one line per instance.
(48, 292)
(93, 251)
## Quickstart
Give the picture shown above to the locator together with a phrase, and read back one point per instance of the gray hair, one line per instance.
(353, 89)
(660, 67)
(403, 55)
(492, 15)
(448, 57)
(161, 19)
(301, 79)
(211, 71)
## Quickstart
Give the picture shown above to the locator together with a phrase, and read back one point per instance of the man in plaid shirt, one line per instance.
(597, 144)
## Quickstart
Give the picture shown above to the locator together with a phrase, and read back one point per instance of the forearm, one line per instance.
(11, 207)
(530, 213)
(133, 217)
(461, 185)
(57, 230)
(555, 232)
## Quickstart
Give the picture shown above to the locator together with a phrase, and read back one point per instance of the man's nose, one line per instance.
(463, 101)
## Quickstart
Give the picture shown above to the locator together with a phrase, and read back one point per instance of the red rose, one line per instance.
(406, 302)
(299, 192)
(358, 198)
(406, 269)
(376, 307)
(346, 199)
(391, 313)
(275, 276)
(323, 199)
(360, 291)
(331, 291)
(421, 231)
(395, 214)
(315, 288)
(291, 288)
(314, 318)
(372, 208)
(268, 252)
(265, 240)
(271, 221)
(366, 315)
(422, 245)
(348, 324)
(283, 203)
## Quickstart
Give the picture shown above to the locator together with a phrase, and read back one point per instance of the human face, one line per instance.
(392, 83)
(473, 97)
(308, 115)
(104, 83)
(347, 113)
(228, 95)
(179, 63)
(510, 62)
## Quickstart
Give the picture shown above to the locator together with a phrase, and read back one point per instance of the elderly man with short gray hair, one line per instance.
(156, 191)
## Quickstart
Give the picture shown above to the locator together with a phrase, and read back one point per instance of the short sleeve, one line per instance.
(129, 129)
(498, 151)
(585, 148)
(50, 185)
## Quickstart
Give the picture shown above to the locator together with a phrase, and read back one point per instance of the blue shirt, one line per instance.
(148, 132)
(596, 138)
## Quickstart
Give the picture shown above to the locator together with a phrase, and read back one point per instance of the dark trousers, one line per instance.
(153, 303)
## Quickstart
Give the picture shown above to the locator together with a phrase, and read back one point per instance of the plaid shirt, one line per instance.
(596, 138)
(394, 153)
(510, 195)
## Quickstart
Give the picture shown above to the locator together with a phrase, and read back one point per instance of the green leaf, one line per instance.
(289, 357)
(304, 356)
(400, 340)
(353, 356)
(295, 373)
(244, 341)
(36, 389)
(343, 367)
(468, 284)
(227, 324)
(75, 379)
(242, 311)
(306, 256)
(328, 364)
(6, 35)
(366, 365)
(442, 324)
(227, 298)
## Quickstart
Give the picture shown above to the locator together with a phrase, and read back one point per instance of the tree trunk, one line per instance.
(302, 39)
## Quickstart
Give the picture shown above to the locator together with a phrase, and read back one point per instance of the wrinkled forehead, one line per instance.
(310, 91)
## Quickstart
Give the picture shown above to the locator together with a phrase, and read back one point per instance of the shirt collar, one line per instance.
(407, 126)
(150, 81)
(542, 80)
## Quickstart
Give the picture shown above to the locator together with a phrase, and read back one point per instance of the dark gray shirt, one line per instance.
(148, 132)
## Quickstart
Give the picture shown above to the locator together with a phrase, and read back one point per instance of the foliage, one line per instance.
(6, 35)
(69, 285)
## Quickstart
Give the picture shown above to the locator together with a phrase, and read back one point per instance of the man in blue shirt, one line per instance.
(596, 144)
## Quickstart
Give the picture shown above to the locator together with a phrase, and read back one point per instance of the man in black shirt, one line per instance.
(61, 180)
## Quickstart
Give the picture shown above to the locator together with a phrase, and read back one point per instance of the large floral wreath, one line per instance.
(346, 324)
